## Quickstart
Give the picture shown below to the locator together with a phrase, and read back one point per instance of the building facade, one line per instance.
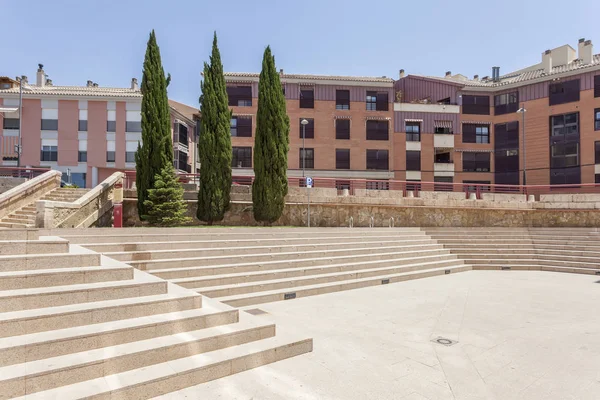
(541, 123)
(87, 132)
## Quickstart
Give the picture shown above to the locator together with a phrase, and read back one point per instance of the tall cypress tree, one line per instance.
(214, 144)
(156, 150)
(271, 145)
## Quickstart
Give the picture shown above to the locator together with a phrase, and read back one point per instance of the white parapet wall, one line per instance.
(28, 192)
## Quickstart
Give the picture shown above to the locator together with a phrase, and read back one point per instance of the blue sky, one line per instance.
(105, 40)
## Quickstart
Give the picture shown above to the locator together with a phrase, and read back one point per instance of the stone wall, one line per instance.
(28, 192)
(7, 183)
(332, 215)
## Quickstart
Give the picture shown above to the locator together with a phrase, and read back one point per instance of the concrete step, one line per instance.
(542, 255)
(159, 379)
(589, 255)
(19, 219)
(554, 245)
(55, 245)
(15, 225)
(52, 318)
(289, 283)
(40, 278)
(22, 262)
(45, 374)
(19, 234)
(240, 251)
(508, 261)
(266, 257)
(27, 213)
(223, 243)
(531, 267)
(311, 290)
(325, 268)
(166, 270)
(55, 296)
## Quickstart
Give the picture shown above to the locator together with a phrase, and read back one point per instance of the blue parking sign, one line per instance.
(309, 182)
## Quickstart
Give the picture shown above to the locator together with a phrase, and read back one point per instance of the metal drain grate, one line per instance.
(256, 311)
(444, 341)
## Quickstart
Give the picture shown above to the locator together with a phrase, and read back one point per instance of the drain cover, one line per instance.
(444, 341)
(256, 311)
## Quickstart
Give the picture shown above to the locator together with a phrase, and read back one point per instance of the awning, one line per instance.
(413, 120)
(8, 109)
(475, 150)
(243, 115)
(477, 122)
(342, 117)
(376, 118)
(442, 124)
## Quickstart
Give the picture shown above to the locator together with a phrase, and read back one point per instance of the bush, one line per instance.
(165, 203)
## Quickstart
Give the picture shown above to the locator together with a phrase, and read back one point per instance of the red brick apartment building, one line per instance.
(439, 129)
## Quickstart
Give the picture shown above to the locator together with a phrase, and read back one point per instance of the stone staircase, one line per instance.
(242, 267)
(574, 250)
(25, 216)
(75, 324)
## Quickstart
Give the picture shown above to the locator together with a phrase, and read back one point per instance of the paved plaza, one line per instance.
(520, 335)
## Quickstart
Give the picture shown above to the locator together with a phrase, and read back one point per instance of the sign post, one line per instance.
(309, 184)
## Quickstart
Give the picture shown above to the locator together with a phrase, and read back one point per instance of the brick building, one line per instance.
(443, 129)
(88, 131)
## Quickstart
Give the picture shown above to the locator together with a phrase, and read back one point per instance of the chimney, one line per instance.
(24, 79)
(40, 76)
(580, 45)
(281, 72)
(475, 77)
(401, 73)
(547, 61)
(495, 74)
(94, 84)
(448, 74)
(90, 83)
(48, 82)
(588, 52)
(134, 84)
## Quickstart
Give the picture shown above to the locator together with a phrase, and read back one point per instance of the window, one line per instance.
(413, 131)
(597, 152)
(564, 125)
(307, 156)
(442, 183)
(597, 178)
(111, 126)
(82, 156)
(506, 103)
(307, 98)
(564, 92)
(443, 156)
(564, 155)
(377, 130)
(49, 153)
(342, 99)
(130, 156)
(181, 162)
(241, 127)
(180, 133)
(239, 96)
(413, 160)
(342, 129)
(476, 105)
(49, 124)
(10, 123)
(130, 150)
(476, 133)
(342, 158)
(443, 130)
(377, 159)
(82, 125)
(476, 162)
(242, 157)
(133, 126)
(110, 156)
(597, 86)
(308, 129)
(597, 119)
(377, 101)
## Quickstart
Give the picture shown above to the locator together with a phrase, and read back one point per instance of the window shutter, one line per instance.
(382, 101)
(469, 133)
(244, 127)
(597, 86)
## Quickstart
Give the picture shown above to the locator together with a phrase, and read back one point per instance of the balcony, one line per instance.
(427, 107)
(443, 140)
(443, 168)
(183, 166)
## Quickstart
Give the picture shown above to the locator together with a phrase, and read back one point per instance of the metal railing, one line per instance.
(28, 173)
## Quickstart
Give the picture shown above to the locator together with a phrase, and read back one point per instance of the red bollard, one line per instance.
(118, 215)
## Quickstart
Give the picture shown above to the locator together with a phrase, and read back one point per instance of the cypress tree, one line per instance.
(156, 150)
(214, 143)
(271, 145)
(165, 203)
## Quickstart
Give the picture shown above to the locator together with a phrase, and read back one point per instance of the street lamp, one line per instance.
(522, 111)
(20, 121)
(304, 122)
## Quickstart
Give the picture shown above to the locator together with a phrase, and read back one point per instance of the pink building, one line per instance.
(86, 132)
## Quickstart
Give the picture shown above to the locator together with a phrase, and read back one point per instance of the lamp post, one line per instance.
(304, 122)
(20, 123)
(522, 111)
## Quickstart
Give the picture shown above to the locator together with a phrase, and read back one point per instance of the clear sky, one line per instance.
(105, 40)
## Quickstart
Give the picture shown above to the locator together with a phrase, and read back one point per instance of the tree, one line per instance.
(271, 145)
(165, 203)
(156, 150)
(214, 144)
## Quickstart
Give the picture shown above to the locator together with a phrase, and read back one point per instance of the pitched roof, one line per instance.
(183, 109)
(315, 77)
(87, 91)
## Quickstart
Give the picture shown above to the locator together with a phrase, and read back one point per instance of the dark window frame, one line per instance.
(13, 123)
(82, 156)
(378, 159)
(342, 132)
(480, 162)
(309, 131)
(130, 156)
(239, 96)
(476, 104)
(342, 158)
(241, 130)
(413, 160)
(133, 126)
(564, 92)
(307, 98)
(378, 129)
(506, 103)
(412, 134)
(82, 125)
(110, 156)
(342, 99)
(597, 119)
(597, 86)
(476, 133)
(50, 154)
(111, 126)
(310, 158)
(597, 152)
(49, 125)
(241, 157)
(377, 101)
